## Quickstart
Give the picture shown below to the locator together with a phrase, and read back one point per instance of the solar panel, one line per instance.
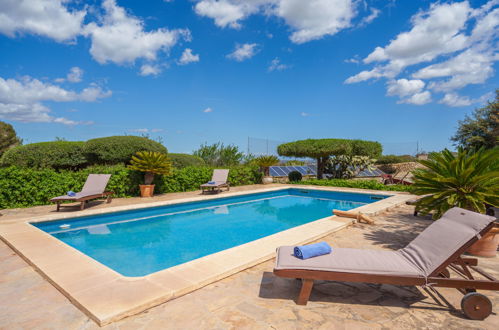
(280, 171)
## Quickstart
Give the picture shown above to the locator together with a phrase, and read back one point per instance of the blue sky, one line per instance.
(205, 71)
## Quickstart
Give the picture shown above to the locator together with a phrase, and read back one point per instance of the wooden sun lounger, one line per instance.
(424, 262)
(219, 178)
(93, 188)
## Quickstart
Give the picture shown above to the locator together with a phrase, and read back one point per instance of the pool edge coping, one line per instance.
(116, 296)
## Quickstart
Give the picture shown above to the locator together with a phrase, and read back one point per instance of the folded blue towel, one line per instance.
(71, 193)
(211, 182)
(312, 250)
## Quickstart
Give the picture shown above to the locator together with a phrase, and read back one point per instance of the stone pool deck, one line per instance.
(253, 298)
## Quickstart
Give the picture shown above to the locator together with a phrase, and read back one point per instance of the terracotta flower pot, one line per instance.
(487, 245)
(146, 190)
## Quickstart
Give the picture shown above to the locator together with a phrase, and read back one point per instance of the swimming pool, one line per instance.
(140, 242)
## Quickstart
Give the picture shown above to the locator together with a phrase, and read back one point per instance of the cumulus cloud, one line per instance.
(418, 98)
(439, 36)
(309, 20)
(188, 57)
(150, 70)
(243, 52)
(208, 110)
(47, 18)
(75, 74)
(404, 87)
(409, 91)
(314, 19)
(276, 65)
(21, 100)
(121, 38)
(455, 100)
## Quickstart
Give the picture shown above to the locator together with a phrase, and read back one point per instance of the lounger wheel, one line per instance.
(476, 306)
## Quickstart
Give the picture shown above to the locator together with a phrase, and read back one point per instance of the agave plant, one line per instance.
(469, 180)
(265, 162)
(151, 163)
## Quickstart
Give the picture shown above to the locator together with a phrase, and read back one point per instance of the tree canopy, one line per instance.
(218, 154)
(322, 149)
(8, 137)
(481, 129)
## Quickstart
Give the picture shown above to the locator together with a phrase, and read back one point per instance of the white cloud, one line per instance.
(409, 91)
(150, 70)
(314, 19)
(227, 12)
(21, 100)
(243, 52)
(146, 130)
(47, 18)
(418, 98)
(208, 110)
(121, 38)
(404, 87)
(309, 20)
(371, 17)
(276, 65)
(188, 57)
(304, 114)
(75, 74)
(439, 36)
(455, 100)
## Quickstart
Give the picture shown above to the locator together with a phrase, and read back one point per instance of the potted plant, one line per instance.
(465, 179)
(151, 163)
(265, 162)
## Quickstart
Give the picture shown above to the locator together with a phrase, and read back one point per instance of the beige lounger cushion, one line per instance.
(349, 260)
(95, 185)
(444, 237)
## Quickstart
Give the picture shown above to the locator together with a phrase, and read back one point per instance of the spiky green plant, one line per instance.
(468, 179)
(151, 163)
(265, 162)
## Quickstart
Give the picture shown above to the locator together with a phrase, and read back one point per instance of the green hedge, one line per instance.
(118, 149)
(61, 155)
(23, 187)
(361, 184)
(184, 160)
(394, 159)
(55, 154)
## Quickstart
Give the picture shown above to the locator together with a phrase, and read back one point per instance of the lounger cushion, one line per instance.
(216, 184)
(443, 238)
(77, 196)
(96, 183)
(349, 260)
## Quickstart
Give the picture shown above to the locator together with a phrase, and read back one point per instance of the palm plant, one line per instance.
(265, 162)
(151, 163)
(469, 180)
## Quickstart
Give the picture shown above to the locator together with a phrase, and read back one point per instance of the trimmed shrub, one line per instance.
(394, 159)
(294, 176)
(24, 187)
(54, 154)
(119, 149)
(184, 160)
(361, 184)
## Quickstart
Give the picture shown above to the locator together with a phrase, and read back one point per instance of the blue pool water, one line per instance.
(144, 241)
